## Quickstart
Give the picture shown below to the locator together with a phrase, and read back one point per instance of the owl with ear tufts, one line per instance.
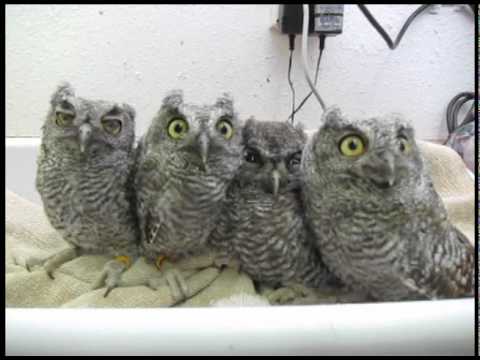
(263, 226)
(84, 178)
(186, 160)
(378, 221)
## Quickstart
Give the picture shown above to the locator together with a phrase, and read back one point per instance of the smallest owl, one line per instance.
(378, 221)
(262, 225)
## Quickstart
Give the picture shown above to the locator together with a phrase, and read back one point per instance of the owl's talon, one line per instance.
(112, 274)
(288, 293)
(176, 283)
(31, 262)
(108, 291)
(55, 261)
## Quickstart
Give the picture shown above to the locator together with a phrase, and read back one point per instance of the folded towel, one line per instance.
(29, 235)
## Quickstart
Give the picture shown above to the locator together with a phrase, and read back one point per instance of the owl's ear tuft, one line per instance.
(332, 118)
(300, 129)
(225, 101)
(63, 93)
(129, 110)
(250, 123)
(403, 125)
(249, 128)
(174, 98)
(400, 120)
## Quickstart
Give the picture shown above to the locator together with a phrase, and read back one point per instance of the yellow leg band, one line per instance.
(124, 259)
(159, 261)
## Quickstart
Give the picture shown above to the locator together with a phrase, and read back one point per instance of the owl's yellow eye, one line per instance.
(177, 128)
(63, 119)
(352, 145)
(112, 126)
(225, 128)
(404, 145)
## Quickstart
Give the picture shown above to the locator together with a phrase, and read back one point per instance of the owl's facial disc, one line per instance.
(273, 173)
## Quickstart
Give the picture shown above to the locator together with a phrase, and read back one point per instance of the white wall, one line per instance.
(136, 53)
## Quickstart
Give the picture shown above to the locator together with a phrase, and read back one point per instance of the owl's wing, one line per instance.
(219, 238)
(39, 180)
(150, 178)
(460, 276)
(452, 272)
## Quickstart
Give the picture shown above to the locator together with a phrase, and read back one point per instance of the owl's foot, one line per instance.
(175, 280)
(32, 262)
(112, 273)
(288, 293)
(50, 264)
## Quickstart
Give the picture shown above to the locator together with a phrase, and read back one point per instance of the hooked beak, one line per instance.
(85, 131)
(203, 144)
(381, 170)
(275, 181)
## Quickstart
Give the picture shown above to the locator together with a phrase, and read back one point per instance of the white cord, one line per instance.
(305, 55)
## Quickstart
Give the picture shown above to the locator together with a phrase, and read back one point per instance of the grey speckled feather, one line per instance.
(379, 223)
(84, 173)
(181, 183)
(263, 224)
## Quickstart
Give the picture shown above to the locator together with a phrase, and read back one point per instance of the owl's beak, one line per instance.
(381, 170)
(203, 143)
(275, 182)
(85, 131)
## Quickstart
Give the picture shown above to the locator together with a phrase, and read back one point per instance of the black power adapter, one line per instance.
(324, 19)
(291, 19)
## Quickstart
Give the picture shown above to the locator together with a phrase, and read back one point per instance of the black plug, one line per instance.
(291, 19)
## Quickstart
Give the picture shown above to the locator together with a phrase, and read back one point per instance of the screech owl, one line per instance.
(379, 223)
(186, 160)
(84, 178)
(263, 224)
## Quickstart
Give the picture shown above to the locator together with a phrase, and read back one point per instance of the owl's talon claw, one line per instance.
(109, 289)
(111, 274)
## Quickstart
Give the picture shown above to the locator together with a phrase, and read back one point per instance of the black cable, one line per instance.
(321, 47)
(291, 38)
(454, 107)
(392, 45)
(469, 116)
